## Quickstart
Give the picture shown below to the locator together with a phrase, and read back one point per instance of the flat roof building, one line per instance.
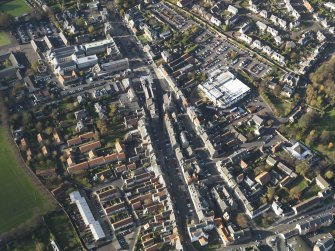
(224, 89)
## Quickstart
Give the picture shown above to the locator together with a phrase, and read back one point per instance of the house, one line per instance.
(45, 151)
(39, 138)
(81, 114)
(246, 38)
(271, 161)
(238, 155)
(57, 137)
(122, 223)
(267, 49)
(279, 58)
(264, 14)
(320, 36)
(278, 40)
(325, 243)
(261, 26)
(330, 5)
(233, 10)
(306, 205)
(322, 183)
(300, 151)
(89, 146)
(258, 120)
(287, 91)
(80, 126)
(223, 233)
(314, 224)
(257, 44)
(118, 147)
(308, 6)
(276, 207)
(263, 178)
(272, 31)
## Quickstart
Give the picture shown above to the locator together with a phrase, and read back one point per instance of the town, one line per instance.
(167, 125)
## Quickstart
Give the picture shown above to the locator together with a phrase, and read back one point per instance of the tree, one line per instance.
(39, 126)
(306, 121)
(26, 118)
(6, 21)
(49, 130)
(302, 168)
(34, 66)
(242, 220)
(277, 90)
(329, 174)
(102, 126)
(90, 29)
(271, 192)
(312, 138)
(325, 137)
(295, 193)
(80, 22)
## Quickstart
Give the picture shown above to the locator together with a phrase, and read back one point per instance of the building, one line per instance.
(306, 205)
(325, 243)
(233, 10)
(111, 67)
(238, 155)
(87, 216)
(300, 151)
(263, 178)
(224, 89)
(314, 224)
(107, 45)
(330, 5)
(86, 62)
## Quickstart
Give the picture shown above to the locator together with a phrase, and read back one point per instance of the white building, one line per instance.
(86, 62)
(330, 5)
(257, 44)
(245, 38)
(224, 89)
(216, 21)
(232, 9)
(262, 26)
(279, 58)
(87, 215)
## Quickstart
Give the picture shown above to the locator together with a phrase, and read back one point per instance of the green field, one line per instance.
(14, 7)
(4, 38)
(20, 199)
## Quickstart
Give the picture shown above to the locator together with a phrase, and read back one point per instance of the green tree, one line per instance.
(295, 193)
(325, 137)
(302, 168)
(102, 126)
(90, 29)
(242, 220)
(6, 21)
(271, 191)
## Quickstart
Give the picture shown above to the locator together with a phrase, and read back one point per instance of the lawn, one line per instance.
(4, 38)
(21, 200)
(14, 7)
(327, 122)
(282, 108)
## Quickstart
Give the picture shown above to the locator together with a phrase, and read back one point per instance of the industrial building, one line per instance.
(224, 89)
(87, 216)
